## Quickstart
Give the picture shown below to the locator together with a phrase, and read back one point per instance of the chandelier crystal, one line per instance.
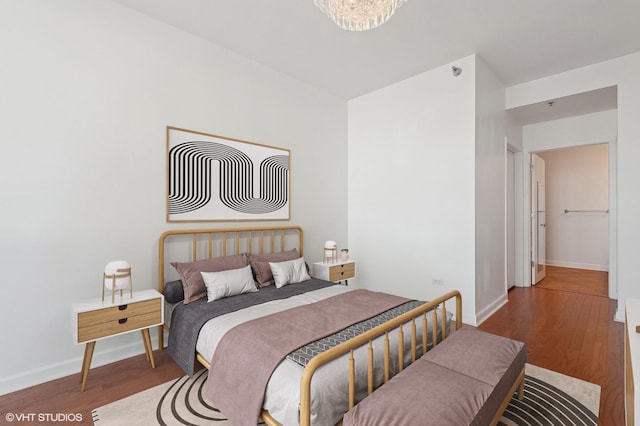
(359, 15)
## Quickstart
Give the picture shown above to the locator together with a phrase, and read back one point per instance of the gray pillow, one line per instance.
(173, 291)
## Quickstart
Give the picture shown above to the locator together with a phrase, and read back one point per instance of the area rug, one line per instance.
(550, 399)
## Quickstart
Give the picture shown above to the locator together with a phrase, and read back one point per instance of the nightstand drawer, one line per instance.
(116, 312)
(342, 272)
(99, 323)
(113, 327)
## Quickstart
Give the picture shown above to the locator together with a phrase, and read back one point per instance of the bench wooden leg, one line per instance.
(517, 385)
(521, 389)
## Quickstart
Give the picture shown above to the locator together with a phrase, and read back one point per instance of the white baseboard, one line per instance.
(65, 368)
(577, 265)
(491, 309)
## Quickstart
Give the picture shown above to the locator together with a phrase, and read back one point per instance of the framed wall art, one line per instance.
(215, 178)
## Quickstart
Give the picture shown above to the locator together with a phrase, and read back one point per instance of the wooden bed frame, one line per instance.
(216, 242)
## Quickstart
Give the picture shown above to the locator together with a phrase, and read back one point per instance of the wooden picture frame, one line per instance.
(216, 178)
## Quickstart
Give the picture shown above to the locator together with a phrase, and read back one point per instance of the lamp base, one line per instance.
(330, 255)
(120, 274)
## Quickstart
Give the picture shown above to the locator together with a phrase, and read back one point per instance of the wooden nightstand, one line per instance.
(95, 320)
(335, 271)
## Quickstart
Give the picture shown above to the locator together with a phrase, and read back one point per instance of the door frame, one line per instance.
(511, 217)
(537, 274)
(525, 197)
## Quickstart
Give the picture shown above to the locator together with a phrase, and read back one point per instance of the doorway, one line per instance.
(570, 217)
(579, 119)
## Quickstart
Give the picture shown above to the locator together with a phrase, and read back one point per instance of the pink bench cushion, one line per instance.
(424, 394)
(462, 381)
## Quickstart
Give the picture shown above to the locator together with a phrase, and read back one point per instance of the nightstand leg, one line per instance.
(86, 363)
(147, 346)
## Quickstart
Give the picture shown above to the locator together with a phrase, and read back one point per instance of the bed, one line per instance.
(345, 342)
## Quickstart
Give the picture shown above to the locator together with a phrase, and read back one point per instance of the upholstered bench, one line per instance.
(467, 379)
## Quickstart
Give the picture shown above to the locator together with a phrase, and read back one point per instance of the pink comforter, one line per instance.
(247, 355)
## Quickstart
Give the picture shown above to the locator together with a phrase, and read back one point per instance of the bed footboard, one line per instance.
(397, 325)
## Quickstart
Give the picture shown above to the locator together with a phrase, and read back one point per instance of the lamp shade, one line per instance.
(117, 275)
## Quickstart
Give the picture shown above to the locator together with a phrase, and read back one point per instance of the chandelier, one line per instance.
(359, 15)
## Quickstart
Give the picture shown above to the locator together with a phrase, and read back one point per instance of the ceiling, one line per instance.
(567, 106)
(519, 40)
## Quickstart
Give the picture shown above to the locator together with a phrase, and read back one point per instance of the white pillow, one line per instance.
(228, 283)
(289, 272)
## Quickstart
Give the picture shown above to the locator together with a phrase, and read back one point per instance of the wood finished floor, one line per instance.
(565, 331)
(571, 332)
(576, 280)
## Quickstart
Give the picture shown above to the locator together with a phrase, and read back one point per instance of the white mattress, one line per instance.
(330, 383)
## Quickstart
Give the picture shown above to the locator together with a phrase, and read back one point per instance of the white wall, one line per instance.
(623, 72)
(412, 185)
(577, 179)
(580, 130)
(490, 178)
(87, 90)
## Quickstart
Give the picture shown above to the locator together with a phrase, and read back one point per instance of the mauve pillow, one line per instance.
(192, 281)
(260, 264)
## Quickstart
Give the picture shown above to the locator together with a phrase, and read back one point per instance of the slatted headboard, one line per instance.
(188, 245)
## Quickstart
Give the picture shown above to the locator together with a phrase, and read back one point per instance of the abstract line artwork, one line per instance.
(213, 178)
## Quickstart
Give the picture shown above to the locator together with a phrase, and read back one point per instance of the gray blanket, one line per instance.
(187, 320)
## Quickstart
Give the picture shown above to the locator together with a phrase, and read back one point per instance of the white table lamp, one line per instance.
(117, 276)
(330, 252)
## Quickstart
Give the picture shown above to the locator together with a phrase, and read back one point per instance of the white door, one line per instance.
(538, 225)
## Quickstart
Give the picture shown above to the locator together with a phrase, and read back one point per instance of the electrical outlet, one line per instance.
(438, 282)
